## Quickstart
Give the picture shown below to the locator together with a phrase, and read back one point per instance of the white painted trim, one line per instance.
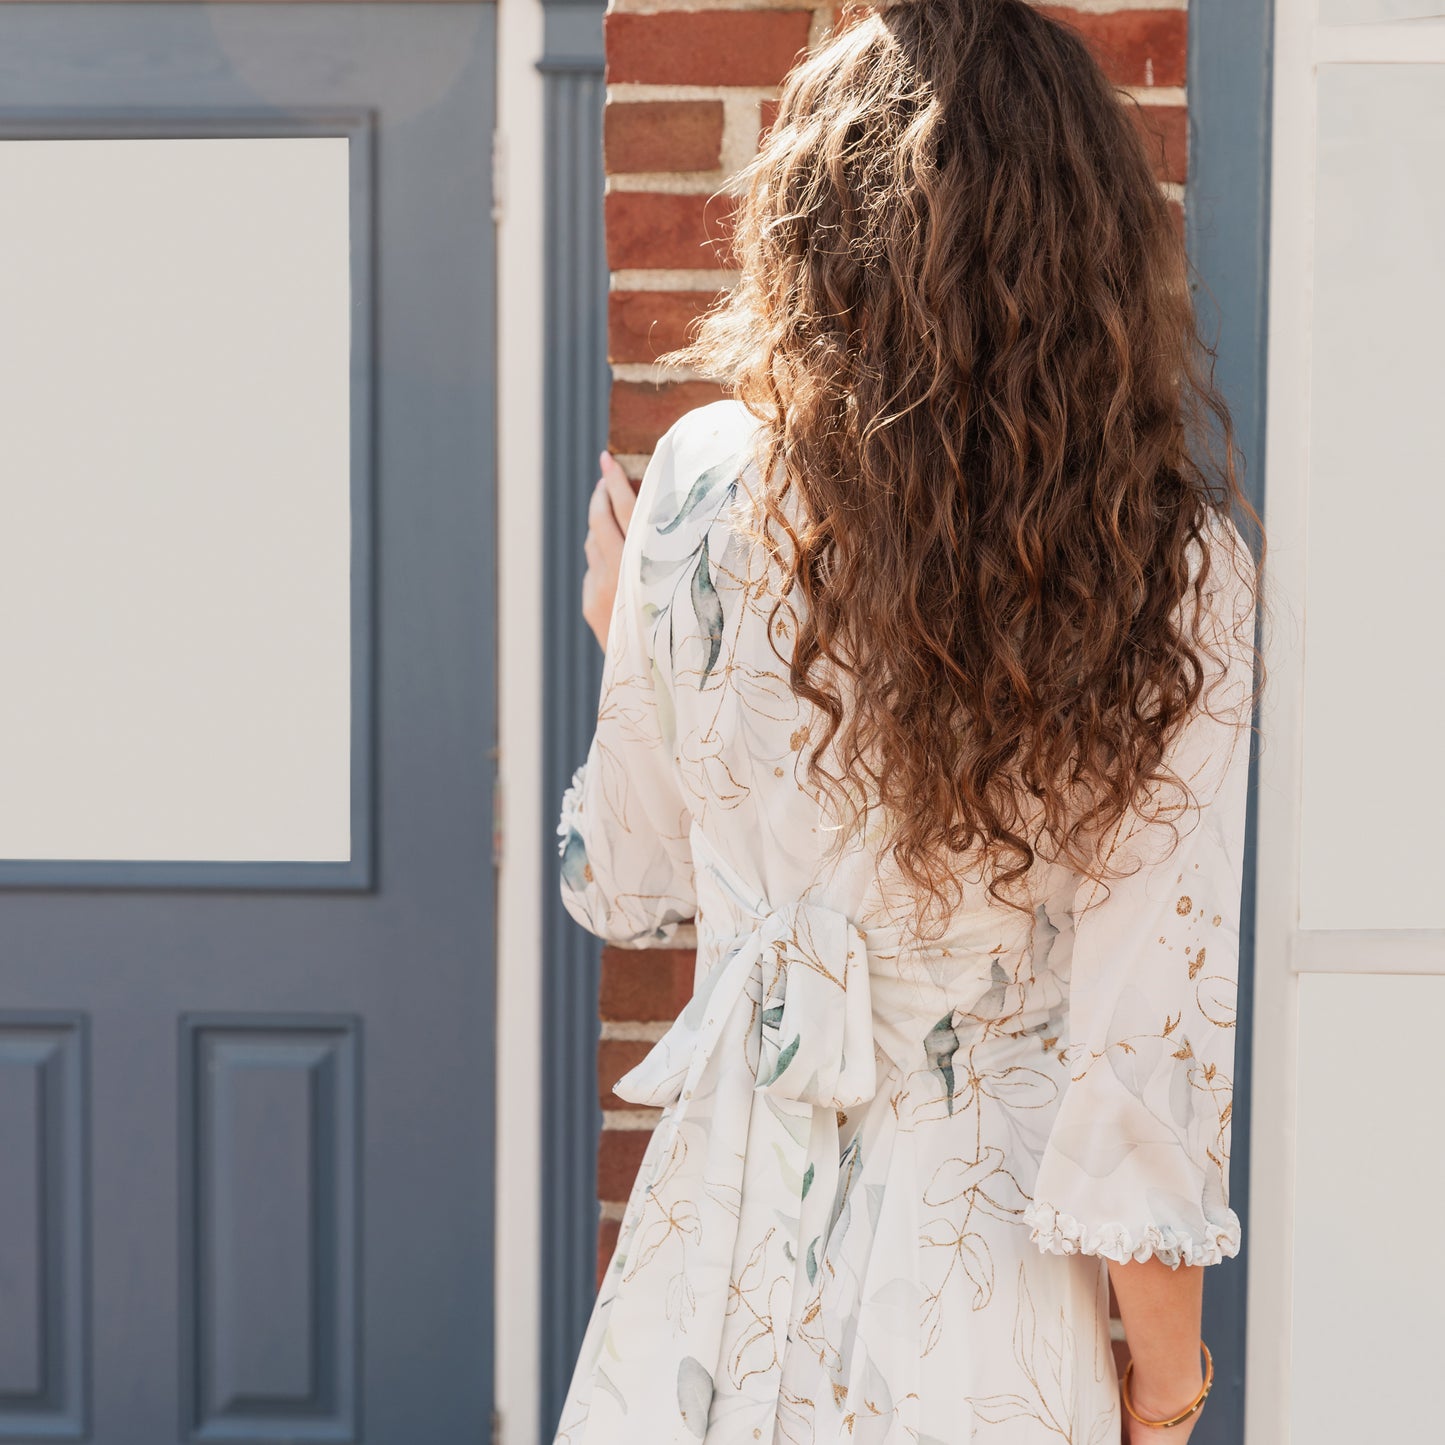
(1420, 42)
(519, 618)
(1404, 950)
(1272, 1135)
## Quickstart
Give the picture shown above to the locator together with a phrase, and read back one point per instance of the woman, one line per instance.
(928, 680)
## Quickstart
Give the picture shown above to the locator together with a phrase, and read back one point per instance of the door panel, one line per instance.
(247, 974)
(42, 1223)
(269, 1149)
(1350, 917)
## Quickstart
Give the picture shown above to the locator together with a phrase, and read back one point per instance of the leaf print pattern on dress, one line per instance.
(708, 611)
(694, 1395)
(984, 1182)
(699, 491)
(887, 1173)
(1049, 1362)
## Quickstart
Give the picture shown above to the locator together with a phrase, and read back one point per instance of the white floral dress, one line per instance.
(886, 1176)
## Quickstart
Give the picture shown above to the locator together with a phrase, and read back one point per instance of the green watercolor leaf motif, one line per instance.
(791, 1181)
(707, 607)
(606, 1381)
(655, 569)
(939, 1046)
(666, 714)
(574, 862)
(813, 1261)
(784, 1059)
(694, 1394)
(807, 1181)
(698, 492)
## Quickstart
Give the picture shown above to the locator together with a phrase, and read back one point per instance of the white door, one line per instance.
(1347, 1167)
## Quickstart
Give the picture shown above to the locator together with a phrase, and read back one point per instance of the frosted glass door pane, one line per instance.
(175, 629)
(1374, 791)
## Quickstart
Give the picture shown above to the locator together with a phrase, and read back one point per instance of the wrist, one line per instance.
(1167, 1394)
(1160, 1395)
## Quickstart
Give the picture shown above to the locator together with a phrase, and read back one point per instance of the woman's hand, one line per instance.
(608, 515)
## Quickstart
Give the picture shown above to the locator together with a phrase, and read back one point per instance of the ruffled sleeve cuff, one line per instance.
(634, 908)
(1058, 1233)
(570, 821)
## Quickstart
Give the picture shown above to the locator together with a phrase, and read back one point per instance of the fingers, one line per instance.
(619, 490)
(609, 511)
(602, 528)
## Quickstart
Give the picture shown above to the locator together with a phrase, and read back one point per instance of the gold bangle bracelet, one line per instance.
(1183, 1414)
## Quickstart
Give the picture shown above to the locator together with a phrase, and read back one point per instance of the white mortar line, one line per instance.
(633, 1032)
(633, 463)
(655, 7)
(671, 280)
(672, 183)
(650, 373)
(1156, 94)
(619, 91)
(630, 1120)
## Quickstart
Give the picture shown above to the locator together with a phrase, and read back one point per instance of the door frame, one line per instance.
(1227, 213)
(522, 826)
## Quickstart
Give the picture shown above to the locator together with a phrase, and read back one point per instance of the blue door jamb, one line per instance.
(576, 383)
(1231, 58)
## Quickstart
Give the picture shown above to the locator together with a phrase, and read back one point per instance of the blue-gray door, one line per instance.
(246, 722)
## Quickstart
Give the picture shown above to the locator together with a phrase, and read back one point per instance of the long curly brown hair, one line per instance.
(964, 316)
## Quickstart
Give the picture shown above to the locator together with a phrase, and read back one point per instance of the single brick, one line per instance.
(704, 47)
(647, 985)
(1165, 129)
(1135, 47)
(641, 413)
(663, 135)
(607, 1232)
(619, 1157)
(641, 325)
(650, 229)
(614, 1058)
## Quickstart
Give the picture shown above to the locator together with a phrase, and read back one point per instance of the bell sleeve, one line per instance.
(1136, 1161)
(626, 872)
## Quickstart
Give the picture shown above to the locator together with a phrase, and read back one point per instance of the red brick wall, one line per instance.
(689, 86)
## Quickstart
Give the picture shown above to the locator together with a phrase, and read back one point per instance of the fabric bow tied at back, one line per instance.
(720, 1246)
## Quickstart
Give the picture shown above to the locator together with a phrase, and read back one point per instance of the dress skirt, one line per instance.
(826, 1239)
